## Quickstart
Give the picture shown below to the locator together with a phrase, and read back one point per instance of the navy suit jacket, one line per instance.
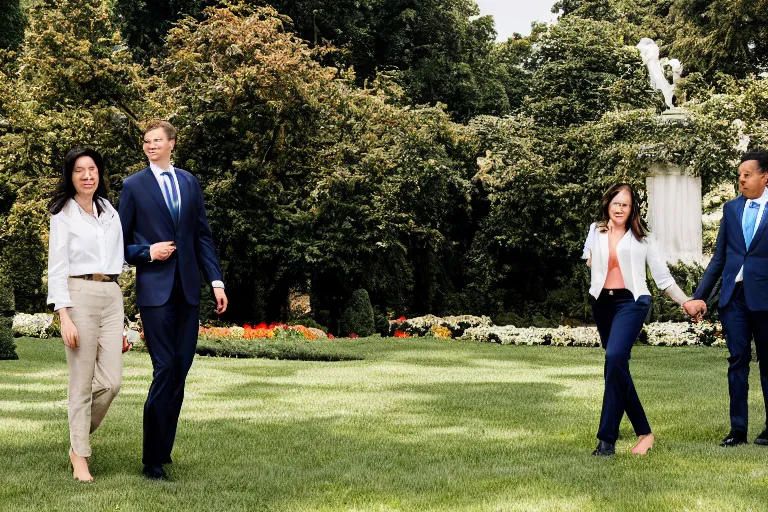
(731, 252)
(146, 220)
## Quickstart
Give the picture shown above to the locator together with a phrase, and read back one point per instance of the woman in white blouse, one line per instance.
(617, 249)
(85, 257)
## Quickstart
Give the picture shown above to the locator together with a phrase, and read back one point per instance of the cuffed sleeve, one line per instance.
(659, 270)
(58, 263)
(589, 243)
(676, 294)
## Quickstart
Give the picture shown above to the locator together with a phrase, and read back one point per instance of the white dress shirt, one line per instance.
(761, 201)
(79, 244)
(163, 182)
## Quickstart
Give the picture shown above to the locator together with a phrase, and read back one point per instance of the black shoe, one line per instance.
(154, 473)
(604, 449)
(734, 438)
(762, 439)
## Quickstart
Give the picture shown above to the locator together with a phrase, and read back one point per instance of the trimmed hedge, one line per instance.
(358, 316)
(269, 349)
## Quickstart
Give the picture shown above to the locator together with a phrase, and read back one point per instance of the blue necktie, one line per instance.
(170, 195)
(750, 217)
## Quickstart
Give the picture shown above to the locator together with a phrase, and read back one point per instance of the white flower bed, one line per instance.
(511, 335)
(38, 325)
(657, 334)
(424, 325)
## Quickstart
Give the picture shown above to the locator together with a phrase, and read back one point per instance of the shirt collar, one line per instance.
(760, 200)
(157, 171)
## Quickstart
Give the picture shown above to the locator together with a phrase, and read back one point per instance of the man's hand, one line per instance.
(221, 300)
(695, 309)
(161, 250)
(68, 329)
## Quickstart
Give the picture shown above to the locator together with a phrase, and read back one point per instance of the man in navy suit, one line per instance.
(741, 257)
(167, 237)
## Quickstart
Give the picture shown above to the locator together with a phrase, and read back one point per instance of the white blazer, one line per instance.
(633, 257)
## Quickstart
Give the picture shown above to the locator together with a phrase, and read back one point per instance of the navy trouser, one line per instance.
(740, 325)
(171, 332)
(619, 319)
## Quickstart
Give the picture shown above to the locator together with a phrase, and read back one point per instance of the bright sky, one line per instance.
(516, 15)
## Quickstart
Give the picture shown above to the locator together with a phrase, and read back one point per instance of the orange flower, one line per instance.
(401, 334)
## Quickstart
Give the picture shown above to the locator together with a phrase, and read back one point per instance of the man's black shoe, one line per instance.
(154, 473)
(734, 438)
(762, 439)
(604, 449)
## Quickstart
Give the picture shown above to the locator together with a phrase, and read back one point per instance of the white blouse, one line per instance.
(81, 244)
(633, 256)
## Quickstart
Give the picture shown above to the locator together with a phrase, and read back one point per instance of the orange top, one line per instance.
(614, 280)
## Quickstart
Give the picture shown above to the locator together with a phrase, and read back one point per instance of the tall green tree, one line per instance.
(440, 48)
(721, 36)
(73, 83)
(145, 23)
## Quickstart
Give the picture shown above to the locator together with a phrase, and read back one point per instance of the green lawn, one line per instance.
(415, 425)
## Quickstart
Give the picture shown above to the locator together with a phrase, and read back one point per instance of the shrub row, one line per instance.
(658, 334)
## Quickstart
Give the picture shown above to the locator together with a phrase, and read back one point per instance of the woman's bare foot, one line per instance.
(79, 467)
(644, 443)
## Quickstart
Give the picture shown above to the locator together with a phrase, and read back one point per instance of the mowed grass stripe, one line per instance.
(412, 425)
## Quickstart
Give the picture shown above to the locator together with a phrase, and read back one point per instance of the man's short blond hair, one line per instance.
(154, 124)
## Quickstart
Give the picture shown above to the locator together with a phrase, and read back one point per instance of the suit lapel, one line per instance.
(150, 184)
(185, 191)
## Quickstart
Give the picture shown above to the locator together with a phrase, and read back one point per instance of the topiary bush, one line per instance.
(358, 315)
(7, 307)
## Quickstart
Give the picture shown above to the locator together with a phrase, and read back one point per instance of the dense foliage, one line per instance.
(7, 309)
(327, 169)
(12, 24)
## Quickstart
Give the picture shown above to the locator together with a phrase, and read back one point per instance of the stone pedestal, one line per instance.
(674, 213)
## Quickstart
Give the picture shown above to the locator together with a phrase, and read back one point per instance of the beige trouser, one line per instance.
(96, 366)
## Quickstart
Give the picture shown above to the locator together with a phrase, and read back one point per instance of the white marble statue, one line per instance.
(649, 51)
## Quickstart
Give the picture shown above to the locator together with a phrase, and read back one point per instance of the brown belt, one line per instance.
(98, 277)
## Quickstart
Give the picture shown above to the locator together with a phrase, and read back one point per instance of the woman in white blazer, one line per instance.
(618, 248)
(85, 256)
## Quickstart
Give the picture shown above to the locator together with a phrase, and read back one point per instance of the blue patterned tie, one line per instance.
(170, 195)
(749, 221)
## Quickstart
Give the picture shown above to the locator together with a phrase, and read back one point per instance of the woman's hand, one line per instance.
(68, 329)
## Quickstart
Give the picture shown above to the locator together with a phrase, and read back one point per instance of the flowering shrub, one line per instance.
(39, 325)
(401, 334)
(260, 331)
(657, 334)
(511, 335)
(683, 334)
(424, 325)
(438, 331)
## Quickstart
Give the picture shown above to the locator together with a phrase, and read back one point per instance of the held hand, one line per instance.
(221, 300)
(68, 330)
(161, 250)
(695, 309)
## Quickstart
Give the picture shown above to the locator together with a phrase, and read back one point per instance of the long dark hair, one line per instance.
(65, 190)
(635, 221)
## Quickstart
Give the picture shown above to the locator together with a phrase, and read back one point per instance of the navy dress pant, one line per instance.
(619, 318)
(740, 326)
(170, 332)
